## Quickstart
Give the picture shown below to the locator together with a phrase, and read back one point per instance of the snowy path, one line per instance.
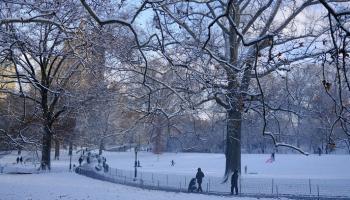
(70, 186)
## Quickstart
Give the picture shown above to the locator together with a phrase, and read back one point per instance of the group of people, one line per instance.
(102, 161)
(200, 175)
(137, 164)
(104, 164)
(19, 160)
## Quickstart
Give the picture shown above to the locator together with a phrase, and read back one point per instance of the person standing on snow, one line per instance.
(80, 160)
(199, 177)
(234, 182)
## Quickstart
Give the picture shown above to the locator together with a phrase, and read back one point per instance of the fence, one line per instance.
(262, 187)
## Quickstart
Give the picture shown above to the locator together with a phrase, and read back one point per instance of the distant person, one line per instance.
(17, 160)
(138, 164)
(172, 163)
(199, 177)
(192, 186)
(319, 151)
(245, 169)
(21, 159)
(80, 160)
(234, 182)
(273, 156)
(105, 168)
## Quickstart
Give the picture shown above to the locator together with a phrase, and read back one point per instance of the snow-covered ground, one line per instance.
(70, 186)
(291, 173)
(285, 165)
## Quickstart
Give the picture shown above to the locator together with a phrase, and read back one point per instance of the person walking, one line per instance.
(80, 160)
(199, 177)
(21, 160)
(172, 163)
(234, 182)
(17, 160)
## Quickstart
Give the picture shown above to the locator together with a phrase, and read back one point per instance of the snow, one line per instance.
(70, 186)
(292, 173)
(286, 165)
(294, 166)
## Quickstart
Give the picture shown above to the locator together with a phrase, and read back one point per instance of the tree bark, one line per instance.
(233, 142)
(70, 151)
(46, 150)
(57, 149)
(101, 147)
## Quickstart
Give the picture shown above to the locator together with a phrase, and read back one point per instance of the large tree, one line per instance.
(41, 51)
(226, 47)
(220, 51)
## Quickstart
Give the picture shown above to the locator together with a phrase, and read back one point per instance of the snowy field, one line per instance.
(291, 173)
(285, 165)
(70, 186)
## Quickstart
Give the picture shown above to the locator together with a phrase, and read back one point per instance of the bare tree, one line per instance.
(221, 49)
(39, 51)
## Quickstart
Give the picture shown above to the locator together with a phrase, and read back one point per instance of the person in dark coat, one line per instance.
(199, 177)
(234, 182)
(192, 186)
(17, 160)
(21, 160)
(80, 160)
(319, 151)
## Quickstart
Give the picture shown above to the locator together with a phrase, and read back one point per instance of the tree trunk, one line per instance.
(57, 149)
(101, 147)
(46, 150)
(158, 140)
(70, 151)
(233, 142)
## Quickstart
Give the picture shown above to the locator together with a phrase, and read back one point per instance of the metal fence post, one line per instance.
(185, 181)
(310, 185)
(318, 192)
(272, 186)
(240, 185)
(277, 190)
(207, 187)
(180, 186)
